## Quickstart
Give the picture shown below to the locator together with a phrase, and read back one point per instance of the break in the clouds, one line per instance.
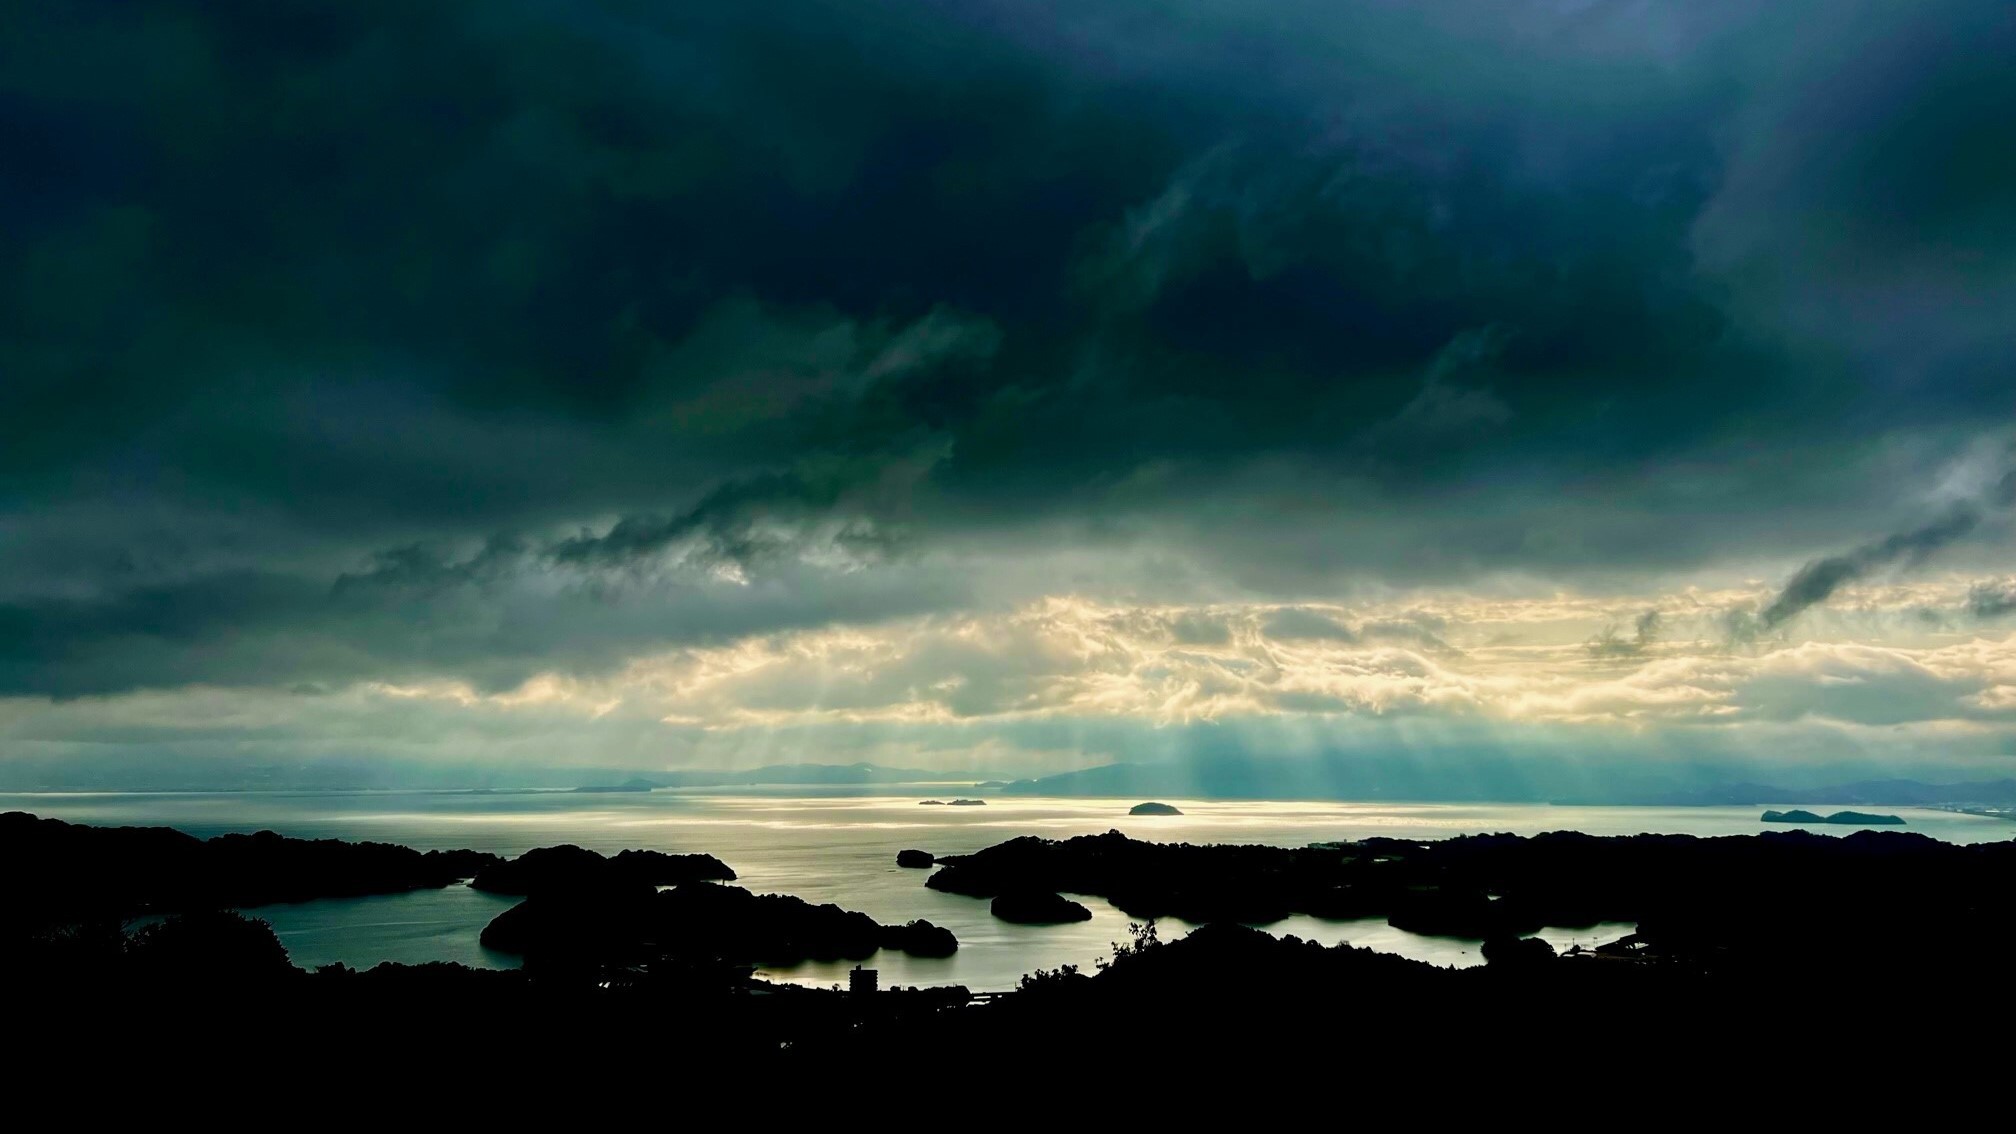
(1037, 380)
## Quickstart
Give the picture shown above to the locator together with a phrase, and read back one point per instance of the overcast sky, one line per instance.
(1018, 385)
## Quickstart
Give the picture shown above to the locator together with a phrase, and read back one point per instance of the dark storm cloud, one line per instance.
(1866, 198)
(1817, 581)
(548, 293)
(419, 616)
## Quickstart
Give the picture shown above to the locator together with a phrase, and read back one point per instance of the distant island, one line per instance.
(1851, 818)
(1152, 809)
(953, 802)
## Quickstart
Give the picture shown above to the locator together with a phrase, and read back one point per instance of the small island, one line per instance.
(1152, 809)
(1849, 818)
(916, 859)
(953, 802)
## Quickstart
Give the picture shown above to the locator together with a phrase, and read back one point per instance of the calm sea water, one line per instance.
(837, 846)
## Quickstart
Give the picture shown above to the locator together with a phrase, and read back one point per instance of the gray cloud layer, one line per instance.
(481, 338)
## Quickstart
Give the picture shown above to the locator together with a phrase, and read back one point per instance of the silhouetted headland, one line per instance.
(123, 871)
(1037, 907)
(700, 919)
(581, 908)
(1684, 892)
(569, 866)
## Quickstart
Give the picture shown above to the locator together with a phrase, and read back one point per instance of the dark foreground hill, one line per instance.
(1891, 938)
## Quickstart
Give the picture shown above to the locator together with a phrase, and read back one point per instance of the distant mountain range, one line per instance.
(1906, 793)
(788, 774)
(1397, 775)
(1395, 779)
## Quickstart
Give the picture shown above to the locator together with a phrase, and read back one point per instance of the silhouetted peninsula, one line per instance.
(1508, 950)
(1152, 809)
(1850, 818)
(607, 917)
(569, 866)
(1038, 907)
(112, 871)
(920, 938)
(1675, 887)
(914, 858)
